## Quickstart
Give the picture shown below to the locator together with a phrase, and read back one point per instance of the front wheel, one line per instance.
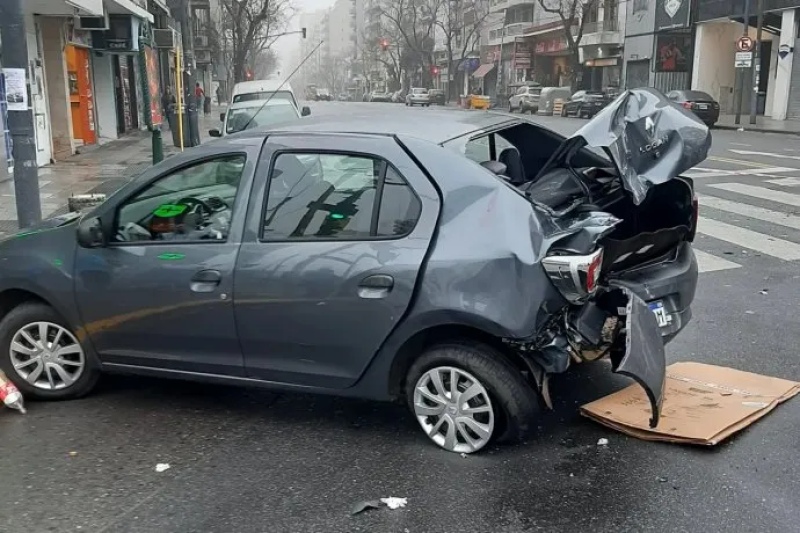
(464, 396)
(42, 356)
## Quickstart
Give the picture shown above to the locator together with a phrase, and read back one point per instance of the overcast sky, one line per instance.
(285, 46)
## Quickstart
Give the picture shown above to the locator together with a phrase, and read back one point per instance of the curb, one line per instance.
(755, 129)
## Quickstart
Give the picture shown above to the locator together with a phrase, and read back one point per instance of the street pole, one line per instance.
(739, 71)
(500, 59)
(756, 65)
(20, 123)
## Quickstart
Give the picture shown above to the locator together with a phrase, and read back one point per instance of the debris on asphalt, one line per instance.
(162, 467)
(395, 503)
(602, 442)
(463, 455)
(73, 454)
(10, 396)
(703, 404)
(662, 479)
(764, 291)
(391, 503)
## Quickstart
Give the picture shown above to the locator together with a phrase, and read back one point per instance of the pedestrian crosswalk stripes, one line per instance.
(762, 193)
(782, 243)
(751, 211)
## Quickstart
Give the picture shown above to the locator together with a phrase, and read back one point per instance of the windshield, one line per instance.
(240, 119)
(419, 91)
(265, 95)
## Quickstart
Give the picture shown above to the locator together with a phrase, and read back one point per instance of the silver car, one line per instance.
(418, 96)
(450, 260)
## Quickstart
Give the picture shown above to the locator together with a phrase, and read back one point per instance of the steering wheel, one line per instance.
(194, 203)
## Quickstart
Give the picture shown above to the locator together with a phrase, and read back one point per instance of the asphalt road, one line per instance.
(249, 460)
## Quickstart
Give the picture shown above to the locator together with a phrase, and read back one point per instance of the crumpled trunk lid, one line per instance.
(649, 139)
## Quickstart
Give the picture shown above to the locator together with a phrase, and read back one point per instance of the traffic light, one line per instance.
(384, 44)
(434, 70)
(304, 32)
(248, 74)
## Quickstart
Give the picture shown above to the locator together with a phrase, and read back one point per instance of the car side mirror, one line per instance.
(305, 111)
(222, 117)
(215, 133)
(90, 233)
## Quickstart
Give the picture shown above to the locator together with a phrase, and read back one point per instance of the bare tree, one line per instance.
(460, 22)
(248, 27)
(572, 14)
(414, 21)
(333, 74)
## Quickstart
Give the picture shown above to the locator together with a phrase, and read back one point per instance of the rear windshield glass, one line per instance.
(696, 95)
(264, 95)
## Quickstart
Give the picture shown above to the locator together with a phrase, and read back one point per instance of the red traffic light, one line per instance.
(384, 43)
(435, 71)
(248, 74)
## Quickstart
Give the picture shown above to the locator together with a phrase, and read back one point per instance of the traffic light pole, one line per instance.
(20, 122)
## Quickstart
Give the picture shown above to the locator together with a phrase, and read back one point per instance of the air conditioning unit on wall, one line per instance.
(165, 38)
(92, 23)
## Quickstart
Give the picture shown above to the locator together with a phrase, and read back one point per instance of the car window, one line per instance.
(259, 117)
(477, 149)
(264, 95)
(194, 203)
(578, 95)
(333, 196)
(522, 90)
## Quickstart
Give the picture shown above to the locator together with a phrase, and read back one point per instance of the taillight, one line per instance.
(695, 215)
(688, 105)
(575, 276)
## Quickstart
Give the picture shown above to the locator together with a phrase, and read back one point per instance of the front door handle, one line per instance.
(375, 286)
(206, 280)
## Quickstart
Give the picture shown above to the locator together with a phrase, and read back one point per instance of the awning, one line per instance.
(483, 70)
(127, 7)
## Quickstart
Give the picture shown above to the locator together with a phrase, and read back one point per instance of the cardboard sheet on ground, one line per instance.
(703, 404)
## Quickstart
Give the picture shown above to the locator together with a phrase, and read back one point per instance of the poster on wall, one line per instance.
(16, 89)
(153, 89)
(672, 52)
(672, 14)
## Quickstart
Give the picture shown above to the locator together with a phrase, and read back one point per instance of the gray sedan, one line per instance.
(451, 260)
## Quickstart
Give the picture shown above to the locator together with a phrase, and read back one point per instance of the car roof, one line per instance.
(258, 86)
(437, 126)
(258, 103)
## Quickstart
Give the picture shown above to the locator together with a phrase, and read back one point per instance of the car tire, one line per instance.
(512, 403)
(79, 369)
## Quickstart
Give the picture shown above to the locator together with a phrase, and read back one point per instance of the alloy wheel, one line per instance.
(454, 409)
(47, 356)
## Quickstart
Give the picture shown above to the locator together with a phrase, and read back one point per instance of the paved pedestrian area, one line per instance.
(99, 169)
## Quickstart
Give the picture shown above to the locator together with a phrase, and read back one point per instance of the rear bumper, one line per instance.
(673, 282)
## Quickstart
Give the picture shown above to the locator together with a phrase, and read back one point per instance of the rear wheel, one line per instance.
(464, 396)
(42, 356)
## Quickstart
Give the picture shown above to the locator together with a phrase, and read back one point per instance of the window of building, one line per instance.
(333, 197)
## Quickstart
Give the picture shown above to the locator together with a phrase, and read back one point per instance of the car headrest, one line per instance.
(496, 167)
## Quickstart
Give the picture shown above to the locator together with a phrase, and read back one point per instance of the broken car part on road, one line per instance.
(452, 259)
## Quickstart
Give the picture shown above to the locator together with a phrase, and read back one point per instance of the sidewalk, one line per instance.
(762, 125)
(98, 169)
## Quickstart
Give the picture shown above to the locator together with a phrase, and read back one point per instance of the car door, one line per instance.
(337, 232)
(159, 294)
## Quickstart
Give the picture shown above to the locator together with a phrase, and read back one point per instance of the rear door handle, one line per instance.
(206, 280)
(375, 286)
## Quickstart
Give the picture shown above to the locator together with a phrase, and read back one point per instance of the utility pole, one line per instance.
(756, 65)
(184, 17)
(740, 71)
(20, 122)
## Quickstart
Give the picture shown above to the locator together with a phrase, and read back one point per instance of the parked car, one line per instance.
(450, 259)
(377, 96)
(263, 89)
(547, 99)
(526, 98)
(344, 97)
(418, 96)
(324, 95)
(701, 104)
(398, 97)
(257, 114)
(584, 104)
(437, 96)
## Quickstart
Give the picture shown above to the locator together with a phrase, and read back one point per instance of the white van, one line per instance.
(261, 90)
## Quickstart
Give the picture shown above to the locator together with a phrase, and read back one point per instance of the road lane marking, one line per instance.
(786, 182)
(751, 211)
(745, 238)
(719, 173)
(766, 154)
(740, 162)
(760, 192)
(711, 263)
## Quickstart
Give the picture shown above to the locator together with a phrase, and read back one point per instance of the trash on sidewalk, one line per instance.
(391, 503)
(10, 395)
(703, 404)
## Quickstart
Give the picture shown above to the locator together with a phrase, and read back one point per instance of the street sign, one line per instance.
(744, 44)
(743, 59)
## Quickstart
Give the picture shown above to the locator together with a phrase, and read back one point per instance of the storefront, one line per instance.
(551, 61)
(80, 85)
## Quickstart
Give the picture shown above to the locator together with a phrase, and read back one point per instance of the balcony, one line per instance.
(602, 32)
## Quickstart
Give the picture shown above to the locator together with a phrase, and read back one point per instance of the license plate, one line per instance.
(662, 317)
(702, 106)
